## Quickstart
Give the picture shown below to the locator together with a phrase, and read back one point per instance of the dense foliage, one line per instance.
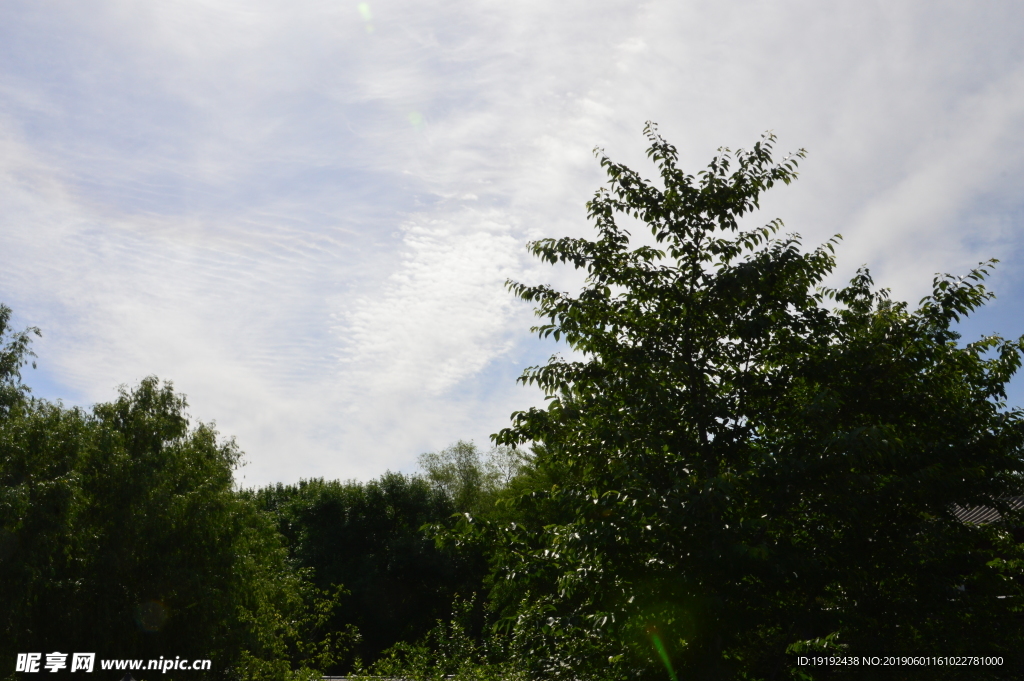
(752, 464)
(375, 538)
(121, 534)
(369, 538)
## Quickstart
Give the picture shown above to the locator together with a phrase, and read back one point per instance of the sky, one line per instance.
(303, 213)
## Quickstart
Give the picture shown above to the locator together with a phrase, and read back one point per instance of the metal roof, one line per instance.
(984, 515)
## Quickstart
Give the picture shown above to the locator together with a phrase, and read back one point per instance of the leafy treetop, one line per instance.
(753, 463)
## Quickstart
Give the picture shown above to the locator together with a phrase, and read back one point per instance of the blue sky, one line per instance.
(302, 213)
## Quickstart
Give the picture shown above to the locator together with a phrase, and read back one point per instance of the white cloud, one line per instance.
(305, 218)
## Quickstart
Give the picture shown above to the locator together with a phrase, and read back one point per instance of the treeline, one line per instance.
(122, 533)
(374, 539)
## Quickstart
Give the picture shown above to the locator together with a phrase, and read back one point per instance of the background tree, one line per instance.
(473, 481)
(15, 352)
(457, 472)
(370, 537)
(376, 538)
(751, 463)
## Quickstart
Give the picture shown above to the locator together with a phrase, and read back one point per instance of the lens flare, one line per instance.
(364, 12)
(663, 654)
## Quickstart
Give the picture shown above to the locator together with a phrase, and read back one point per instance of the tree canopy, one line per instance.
(121, 534)
(371, 537)
(368, 537)
(754, 464)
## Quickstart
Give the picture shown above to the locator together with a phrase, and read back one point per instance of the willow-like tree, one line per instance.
(754, 465)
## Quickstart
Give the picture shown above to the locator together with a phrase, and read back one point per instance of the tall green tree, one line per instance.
(124, 536)
(752, 464)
